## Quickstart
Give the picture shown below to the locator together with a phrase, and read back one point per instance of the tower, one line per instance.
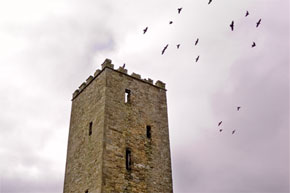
(118, 136)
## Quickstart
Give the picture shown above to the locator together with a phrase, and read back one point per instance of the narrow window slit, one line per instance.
(127, 95)
(87, 191)
(91, 128)
(128, 159)
(148, 131)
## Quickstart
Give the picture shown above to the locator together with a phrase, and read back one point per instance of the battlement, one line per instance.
(108, 64)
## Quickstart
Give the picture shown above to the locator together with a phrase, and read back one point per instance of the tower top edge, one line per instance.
(108, 64)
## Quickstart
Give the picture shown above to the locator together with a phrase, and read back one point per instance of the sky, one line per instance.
(48, 48)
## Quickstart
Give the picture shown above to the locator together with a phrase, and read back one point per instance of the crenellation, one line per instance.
(109, 149)
(107, 63)
(123, 70)
(89, 79)
(149, 80)
(160, 84)
(76, 92)
(82, 86)
(97, 72)
(135, 75)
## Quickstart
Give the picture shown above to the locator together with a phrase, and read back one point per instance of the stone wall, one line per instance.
(97, 163)
(84, 154)
(125, 127)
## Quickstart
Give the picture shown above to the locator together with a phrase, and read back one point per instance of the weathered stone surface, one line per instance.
(97, 162)
(82, 86)
(76, 92)
(121, 69)
(107, 63)
(160, 84)
(136, 75)
(97, 72)
(89, 79)
(150, 81)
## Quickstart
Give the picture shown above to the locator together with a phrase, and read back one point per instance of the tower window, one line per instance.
(127, 95)
(128, 159)
(87, 191)
(91, 128)
(148, 131)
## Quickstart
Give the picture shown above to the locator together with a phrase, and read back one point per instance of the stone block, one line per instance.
(83, 85)
(97, 72)
(123, 70)
(89, 79)
(107, 63)
(160, 84)
(135, 75)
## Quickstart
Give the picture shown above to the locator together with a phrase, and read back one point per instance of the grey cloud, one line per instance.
(64, 48)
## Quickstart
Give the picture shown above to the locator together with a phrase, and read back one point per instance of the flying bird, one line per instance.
(171, 22)
(179, 10)
(178, 45)
(232, 25)
(209, 1)
(254, 44)
(233, 132)
(197, 59)
(196, 42)
(164, 49)
(220, 123)
(221, 130)
(259, 22)
(247, 13)
(238, 108)
(145, 30)
(124, 65)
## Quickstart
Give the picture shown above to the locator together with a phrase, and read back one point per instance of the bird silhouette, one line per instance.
(209, 1)
(247, 13)
(196, 42)
(254, 44)
(233, 132)
(232, 25)
(179, 10)
(171, 22)
(178, 45)
(221, 130)
(164, 49)
(220, 123)
(124, 65)
(197, 59)
(238, 108)
(145, 30)
(258, 23)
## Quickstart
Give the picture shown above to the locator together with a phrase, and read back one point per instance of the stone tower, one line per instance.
(118, 136)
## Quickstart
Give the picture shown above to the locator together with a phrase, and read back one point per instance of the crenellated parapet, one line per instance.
(108, 64)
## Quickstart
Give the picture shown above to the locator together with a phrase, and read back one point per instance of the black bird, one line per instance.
(259, 22)
(220, 123)
(197, 59)
(221, 130)
(171, 22)
(209, 1)
(233, 132)
(179, 10)
(145, 30)
(238, 108)
(178, 45)
(254, 44)
(196, 42)
(124, 65)
(247, 13)
(232, 25)
(164, 49)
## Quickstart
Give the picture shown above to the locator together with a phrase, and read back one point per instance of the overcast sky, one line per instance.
(48, 48)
